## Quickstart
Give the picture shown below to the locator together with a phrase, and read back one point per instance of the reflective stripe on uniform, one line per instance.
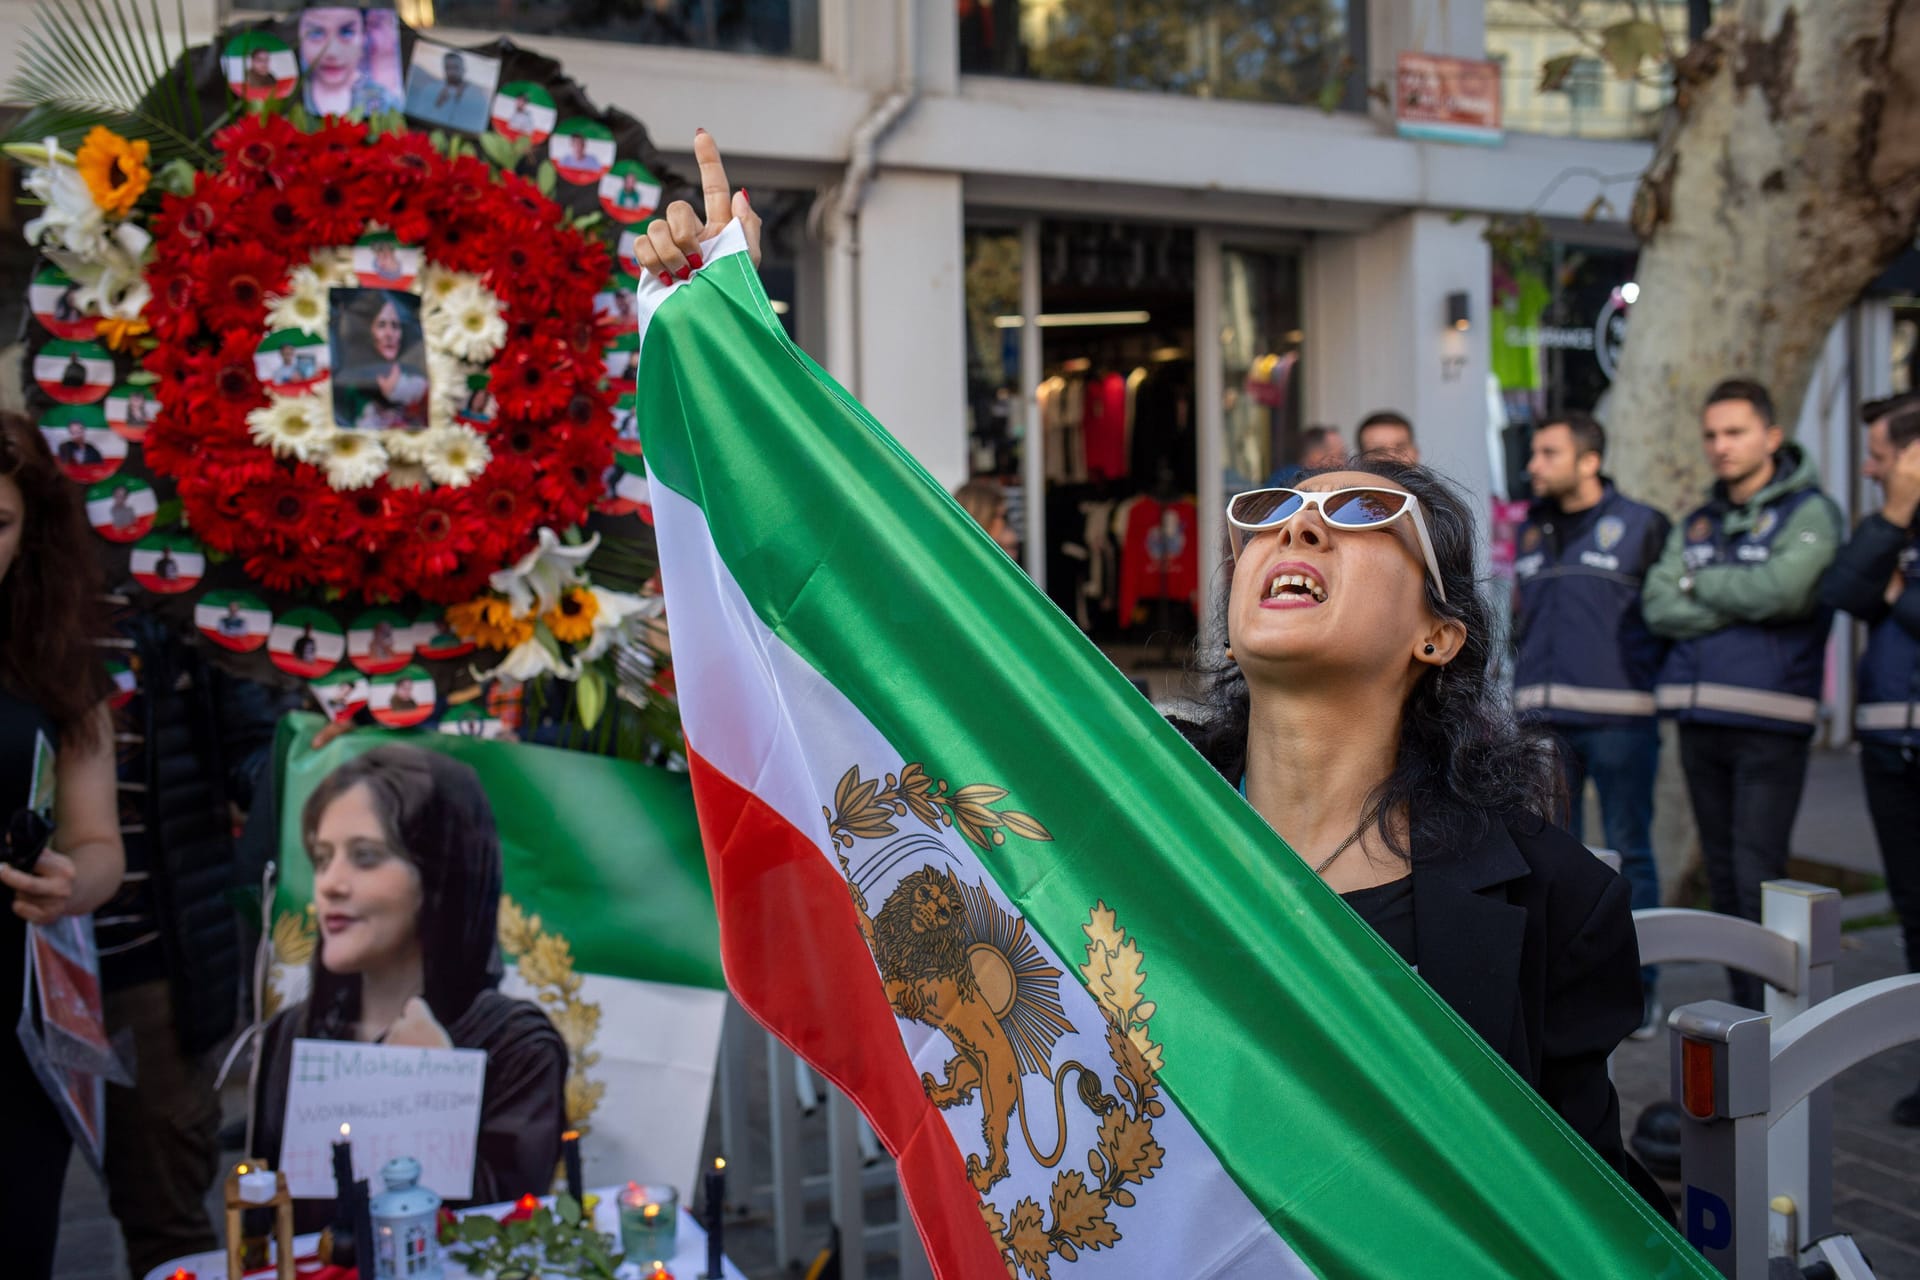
(1569, 697)
(1886, 715)
(1735, 700)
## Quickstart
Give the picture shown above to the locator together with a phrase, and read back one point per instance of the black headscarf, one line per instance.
(436, 816)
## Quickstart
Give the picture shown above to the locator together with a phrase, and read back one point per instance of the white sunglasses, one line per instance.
(1260, 510)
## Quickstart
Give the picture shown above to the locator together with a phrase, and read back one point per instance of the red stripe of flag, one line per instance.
(794, 957)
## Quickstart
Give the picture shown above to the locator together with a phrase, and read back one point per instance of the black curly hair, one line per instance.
(1462, 755)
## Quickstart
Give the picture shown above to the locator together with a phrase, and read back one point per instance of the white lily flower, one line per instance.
(71, 220)
(617, 618)
(526, 660)
(544, 573)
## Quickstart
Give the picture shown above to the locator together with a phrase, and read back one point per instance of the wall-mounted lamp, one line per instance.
(1459, 311)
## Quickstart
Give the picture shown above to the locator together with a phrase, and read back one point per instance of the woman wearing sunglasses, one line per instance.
(1356, 709)
(53, 691)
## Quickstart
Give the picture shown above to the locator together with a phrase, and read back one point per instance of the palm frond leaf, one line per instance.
(112, 63)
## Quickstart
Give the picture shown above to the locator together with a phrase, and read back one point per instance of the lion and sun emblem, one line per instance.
(953, 959)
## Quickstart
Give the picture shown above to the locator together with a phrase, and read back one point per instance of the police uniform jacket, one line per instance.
(1889, 710)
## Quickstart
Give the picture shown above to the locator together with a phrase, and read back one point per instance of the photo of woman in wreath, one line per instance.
(379, 360)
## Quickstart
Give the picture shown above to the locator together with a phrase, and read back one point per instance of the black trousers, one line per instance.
(1892, 777)
(1745, 785)
(33, 1170)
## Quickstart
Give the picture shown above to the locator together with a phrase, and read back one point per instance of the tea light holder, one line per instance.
(649, 1219)
(244, 1187)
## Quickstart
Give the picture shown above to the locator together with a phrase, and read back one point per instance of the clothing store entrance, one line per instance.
(1114, 423)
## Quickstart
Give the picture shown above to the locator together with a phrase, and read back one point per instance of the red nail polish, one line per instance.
(666, 279)
(745, 196)
(695, 262)
(685, 273)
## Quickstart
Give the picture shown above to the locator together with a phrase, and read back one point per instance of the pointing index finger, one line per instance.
(713, 181)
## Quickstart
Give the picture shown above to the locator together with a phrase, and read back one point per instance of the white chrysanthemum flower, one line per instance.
(293, 426)
(436, 282)
(446, 387)
(334, 267)
(468, 324)
(353, 459)
(456, 456)
(303, 306)
(405, 446)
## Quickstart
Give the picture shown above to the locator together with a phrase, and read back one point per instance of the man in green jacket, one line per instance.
(1737, 589)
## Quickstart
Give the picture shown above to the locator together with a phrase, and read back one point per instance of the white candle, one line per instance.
(258, 1187)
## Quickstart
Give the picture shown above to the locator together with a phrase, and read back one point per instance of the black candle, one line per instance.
(570, 1152)
(716, 1192)
(342, 1176)
(363, 1243)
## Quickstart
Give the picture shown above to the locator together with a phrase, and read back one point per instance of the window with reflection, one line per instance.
(1286, 51)
(1555, 75)
(787, 28)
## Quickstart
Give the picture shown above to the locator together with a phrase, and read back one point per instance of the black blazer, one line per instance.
(1530, 939)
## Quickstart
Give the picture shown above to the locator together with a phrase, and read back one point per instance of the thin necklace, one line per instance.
(1344, 846)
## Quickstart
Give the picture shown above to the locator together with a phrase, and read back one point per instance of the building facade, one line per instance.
(1108, 252)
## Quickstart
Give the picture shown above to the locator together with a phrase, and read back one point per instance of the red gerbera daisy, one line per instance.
(406, 160)
(280, 570)
(172, 312)
(220, 383)
(327, 199)
(194, 221)
(260, 148)
(276, 221)
(340, 136)
(234, 285)
(463, 243)
(533, 379)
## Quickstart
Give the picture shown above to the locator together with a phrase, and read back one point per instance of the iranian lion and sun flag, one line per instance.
(1105, 1022)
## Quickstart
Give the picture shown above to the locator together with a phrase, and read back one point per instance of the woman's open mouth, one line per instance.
(1293, 586)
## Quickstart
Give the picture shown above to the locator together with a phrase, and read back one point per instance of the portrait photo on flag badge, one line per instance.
(623, 362)
(477, 406)
(125, 685)
(130, 409)
(451, 87)
(523, 109)
(380, 261)
(342, 694)
(433, 640)
(290, 361)
(626, 487)
(306, 643)
(86, 451)
(624, 250)
(626, 424)
(581, 150)
(403, 698)
(168, 564)
(617, 303)
(259, 66)
(380, 641)
(238, 621)
(74, 372)
(53, 300)
(473, 720)
(122, 509)
(629, 192)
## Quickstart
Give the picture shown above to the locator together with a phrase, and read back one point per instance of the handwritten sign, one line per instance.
(423, 1103)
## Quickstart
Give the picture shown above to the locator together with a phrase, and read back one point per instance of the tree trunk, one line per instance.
(1787, 178)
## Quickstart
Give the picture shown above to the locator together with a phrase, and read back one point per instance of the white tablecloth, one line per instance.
(689, 1260)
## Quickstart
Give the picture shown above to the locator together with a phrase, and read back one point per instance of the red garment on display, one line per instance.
(1104, 430)
(1160, 556)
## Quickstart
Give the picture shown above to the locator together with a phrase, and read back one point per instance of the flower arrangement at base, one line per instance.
(547, 618)
(411, 474)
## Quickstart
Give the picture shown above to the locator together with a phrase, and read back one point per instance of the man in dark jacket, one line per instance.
(1737, 590)
(1876, 578)
(1585, 661)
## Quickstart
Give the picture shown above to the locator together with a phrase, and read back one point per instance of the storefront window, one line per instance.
(789, 28)
(1292, 51)
(1590, 101)
(996, 414)
(1261, 349)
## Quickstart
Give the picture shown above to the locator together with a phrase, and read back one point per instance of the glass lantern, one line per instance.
(404, 1222)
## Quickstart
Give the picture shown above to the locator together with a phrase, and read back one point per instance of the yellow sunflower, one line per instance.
(571, 620)
(489, 622)
(115, 170)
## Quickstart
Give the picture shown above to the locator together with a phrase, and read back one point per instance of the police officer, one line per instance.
(1737, 590)
(1586, 661)
(1876, 578)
